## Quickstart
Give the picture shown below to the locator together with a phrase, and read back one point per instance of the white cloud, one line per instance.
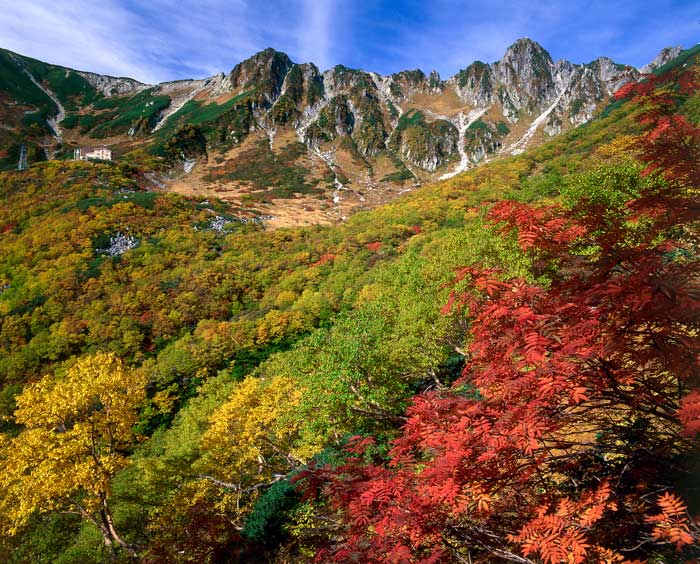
(315, 34)
(158, 40)
(154, 41)
(76, 34)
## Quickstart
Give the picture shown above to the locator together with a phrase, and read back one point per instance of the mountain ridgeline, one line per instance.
(501, 366)
(335, 141)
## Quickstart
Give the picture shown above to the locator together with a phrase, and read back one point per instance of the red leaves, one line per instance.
(572, 396)
(560, 536)
(357, 444)
(626, 91)
(672, 144)
(667, 127)
(671, 525)
(689, 413)
(447, 308)
(541, 228)
(324, 259)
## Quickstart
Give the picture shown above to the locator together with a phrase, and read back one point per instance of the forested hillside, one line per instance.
(499, 367)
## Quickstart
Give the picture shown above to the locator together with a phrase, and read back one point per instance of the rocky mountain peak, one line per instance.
(526, 51)
(408, 125)
(411, 77)
(664, 56)
(527, 70)
(475, 84)
(265, 70)
(434, 80)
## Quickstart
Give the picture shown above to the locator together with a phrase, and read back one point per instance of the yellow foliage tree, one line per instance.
(77, 430)
(253, 438)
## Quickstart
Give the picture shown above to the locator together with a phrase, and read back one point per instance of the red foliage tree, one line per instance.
(578, 400)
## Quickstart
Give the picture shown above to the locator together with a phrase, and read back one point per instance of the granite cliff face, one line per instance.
(665, 55)
(524, 87)
(348, 127)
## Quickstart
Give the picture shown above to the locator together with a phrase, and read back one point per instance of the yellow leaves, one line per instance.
(285, 299)
(369, 293)
(75, 430)
(277, 324)
(165, 400)
(254, 434)
(622, 146)
(96, 389)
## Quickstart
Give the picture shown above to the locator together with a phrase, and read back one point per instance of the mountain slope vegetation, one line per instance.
(358, 137)
(500, 366)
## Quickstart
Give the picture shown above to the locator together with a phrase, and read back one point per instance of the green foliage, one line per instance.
(314, 91)
(315, 333)
(576, 106)
(8, 406)
(18, 86)
(284, 110)
(43, 542)
(607, 186)
(266, 520)
(502, 128)
(691, 109)
(687, 56)
(70, 121)
(208, 116)
(399, 176)
(545, 184)
(71, 89)
(87, 122)
(423, 141)
(370, 134)
(188, 141)
(477, 70)
(412, 117)
(138, 111)
(336, 115)
(611, 107)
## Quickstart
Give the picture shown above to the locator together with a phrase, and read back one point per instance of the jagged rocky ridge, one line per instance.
(427, 125)
(667, 54)
(377, 112)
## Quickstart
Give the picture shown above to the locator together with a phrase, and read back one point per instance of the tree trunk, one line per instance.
(108, 526)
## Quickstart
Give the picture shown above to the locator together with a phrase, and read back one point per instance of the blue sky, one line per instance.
(157, 40)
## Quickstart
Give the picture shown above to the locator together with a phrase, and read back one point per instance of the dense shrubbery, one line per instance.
(530, 425)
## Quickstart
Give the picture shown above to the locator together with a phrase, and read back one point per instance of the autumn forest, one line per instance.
(502, 366)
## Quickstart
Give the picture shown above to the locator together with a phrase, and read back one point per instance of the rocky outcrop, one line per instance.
(488, 108)
(114, 86)
(427, 145)
(665, 55)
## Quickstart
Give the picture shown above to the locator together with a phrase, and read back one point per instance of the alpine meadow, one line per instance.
(292, 315)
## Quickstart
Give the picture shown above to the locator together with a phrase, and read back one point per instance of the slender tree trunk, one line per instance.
(104, 530)
(108, 526)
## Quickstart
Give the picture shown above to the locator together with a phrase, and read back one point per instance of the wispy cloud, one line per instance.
(151, 41)
(166, 40)
(76, 34)
(315, 32)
